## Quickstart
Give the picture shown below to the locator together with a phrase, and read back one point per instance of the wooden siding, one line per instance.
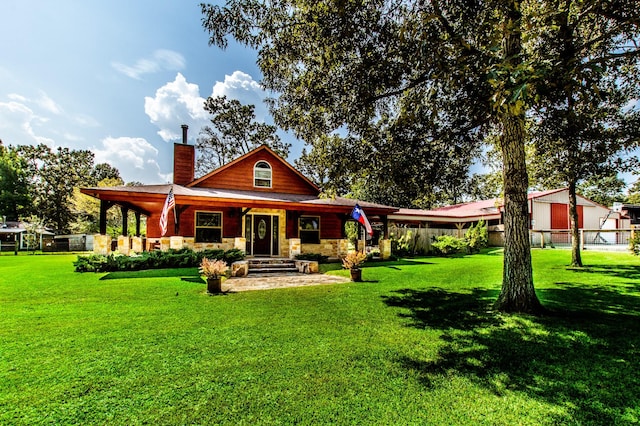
(240, 177)
(330, 224)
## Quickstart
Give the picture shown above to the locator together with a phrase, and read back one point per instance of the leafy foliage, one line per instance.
(316, 257)
(354, 260)
(634, 243)
(400, 78)
(405, 245)
(477, 236)
(15, 193)
(183, 258)
(213, 268)
(448, 244)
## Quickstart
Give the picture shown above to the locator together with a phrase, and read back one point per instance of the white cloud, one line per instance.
(135, 158)
(176, 103)
(179, 102)
(21, 125)
(243, 87)
(160, 60)
(48, 104)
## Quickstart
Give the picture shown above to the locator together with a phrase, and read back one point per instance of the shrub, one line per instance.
(406, 244)
(477, 236)
(317, 257)
(183, 258)
(448, 244)
(634, 243)
(354, 260)
(213, 268)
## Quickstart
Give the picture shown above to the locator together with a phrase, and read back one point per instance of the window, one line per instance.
(208, 227)
(262, 174)
(309, 230)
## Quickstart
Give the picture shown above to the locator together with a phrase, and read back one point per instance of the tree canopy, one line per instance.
(445, 70)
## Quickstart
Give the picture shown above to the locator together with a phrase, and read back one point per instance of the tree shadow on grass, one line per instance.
(154, 273)
(584, 355)
(630, 272)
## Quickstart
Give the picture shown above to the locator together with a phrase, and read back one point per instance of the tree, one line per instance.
(633, 194)
(104, 171)
(348, 65)
(583, 130)
(604, 191)
(15, 193)
(233, 132)
(86, 211)
(53, 177)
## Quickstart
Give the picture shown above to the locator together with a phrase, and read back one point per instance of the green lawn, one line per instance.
(417, 343)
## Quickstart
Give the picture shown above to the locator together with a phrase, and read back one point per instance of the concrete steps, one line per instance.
(271, 265)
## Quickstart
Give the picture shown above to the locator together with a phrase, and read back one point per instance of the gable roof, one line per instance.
(465, 212)
(260, 151)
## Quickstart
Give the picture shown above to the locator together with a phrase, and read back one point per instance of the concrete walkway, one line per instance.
(270, 281)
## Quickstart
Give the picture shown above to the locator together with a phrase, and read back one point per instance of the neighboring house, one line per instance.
(630, 210)
(258, 203)
(12, 232)
(548, 210)
(459, 215)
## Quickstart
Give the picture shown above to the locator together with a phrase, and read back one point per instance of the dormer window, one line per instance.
(262, 174)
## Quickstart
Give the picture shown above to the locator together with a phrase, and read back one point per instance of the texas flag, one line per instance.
(358, 215)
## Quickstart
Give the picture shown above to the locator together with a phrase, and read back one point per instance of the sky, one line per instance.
(117, 77)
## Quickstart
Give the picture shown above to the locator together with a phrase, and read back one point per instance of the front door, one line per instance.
(262, 233)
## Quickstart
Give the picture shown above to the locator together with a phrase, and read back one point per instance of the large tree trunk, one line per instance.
(518, 293)
(576, 259)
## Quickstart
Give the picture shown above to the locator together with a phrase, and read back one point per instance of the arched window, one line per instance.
(262, 174)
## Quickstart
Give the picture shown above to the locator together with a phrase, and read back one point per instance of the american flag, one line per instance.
(169, 203)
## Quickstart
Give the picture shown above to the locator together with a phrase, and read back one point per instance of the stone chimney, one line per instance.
(184, 158)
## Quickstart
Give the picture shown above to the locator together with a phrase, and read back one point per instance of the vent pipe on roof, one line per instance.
(184, 133)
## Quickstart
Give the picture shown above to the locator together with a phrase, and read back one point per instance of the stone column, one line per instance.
(295, 247)
(102, 244)
(240, 243)
(385, 249)
(165, 243)
(343, 247)
(136, 245)
(176, 242)
(124, 245)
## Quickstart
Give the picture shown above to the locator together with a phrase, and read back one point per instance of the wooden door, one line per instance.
(262, 233)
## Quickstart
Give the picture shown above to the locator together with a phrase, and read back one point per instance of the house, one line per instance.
(548, 217)
(458, 215)
(16, 232)
(630, 210)
(258, 203)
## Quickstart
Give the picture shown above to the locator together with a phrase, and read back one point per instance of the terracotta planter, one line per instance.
(356, 275)
(214, 285)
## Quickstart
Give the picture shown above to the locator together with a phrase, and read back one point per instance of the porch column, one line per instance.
(104, 206)
(137, 214)
(385, 226)
(177, 211)
(125, 220)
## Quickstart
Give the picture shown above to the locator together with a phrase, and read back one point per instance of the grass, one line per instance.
(416, 343)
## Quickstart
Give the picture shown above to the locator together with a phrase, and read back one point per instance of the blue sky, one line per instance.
(116, 77)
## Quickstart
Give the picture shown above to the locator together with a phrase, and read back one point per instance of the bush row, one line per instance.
(183, 258)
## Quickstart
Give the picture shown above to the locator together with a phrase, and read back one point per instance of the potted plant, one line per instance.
(213, 270)
(352, 261)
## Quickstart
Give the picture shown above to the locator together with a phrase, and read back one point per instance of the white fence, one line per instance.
(418, 240)
(595, 239)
